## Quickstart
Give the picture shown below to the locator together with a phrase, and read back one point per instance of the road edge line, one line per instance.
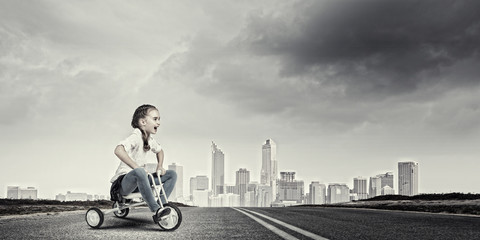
(270, 227)
(291, 227)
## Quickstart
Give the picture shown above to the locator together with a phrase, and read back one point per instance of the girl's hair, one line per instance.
(142, 112)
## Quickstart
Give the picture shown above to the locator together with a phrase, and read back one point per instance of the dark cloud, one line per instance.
(341, 65)
(377, 46)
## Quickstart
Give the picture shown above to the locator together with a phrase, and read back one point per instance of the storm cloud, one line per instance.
(342, 63)
(376, 45)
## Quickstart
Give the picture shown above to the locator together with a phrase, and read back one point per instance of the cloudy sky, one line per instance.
(345, 88)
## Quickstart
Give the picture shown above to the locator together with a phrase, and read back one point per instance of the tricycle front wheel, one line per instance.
(171, 221)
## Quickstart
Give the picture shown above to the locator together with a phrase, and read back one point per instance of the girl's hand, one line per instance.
(161, 170)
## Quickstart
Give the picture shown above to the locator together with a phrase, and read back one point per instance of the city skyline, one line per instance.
(346, 88)
(387, 179)
(218, 156)
(284, 189)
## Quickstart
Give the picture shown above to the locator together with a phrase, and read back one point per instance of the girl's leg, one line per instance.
(139, 178)
(168, 180)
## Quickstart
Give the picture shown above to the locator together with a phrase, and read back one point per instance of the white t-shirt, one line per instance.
(133, 145)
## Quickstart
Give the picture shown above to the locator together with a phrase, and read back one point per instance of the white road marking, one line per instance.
(291, 227)
(272, 228)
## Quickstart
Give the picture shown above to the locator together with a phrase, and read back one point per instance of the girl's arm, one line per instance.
(160, 162)
(123, 156)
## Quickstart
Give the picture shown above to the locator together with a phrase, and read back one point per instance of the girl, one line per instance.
(131, 174)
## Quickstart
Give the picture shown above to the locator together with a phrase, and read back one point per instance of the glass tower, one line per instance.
(407, 178)
(241, 184)
(269, 172)
(218, 170)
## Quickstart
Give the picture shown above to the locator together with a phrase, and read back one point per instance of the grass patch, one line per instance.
(428, 197)
(456, 203)
(29, 206)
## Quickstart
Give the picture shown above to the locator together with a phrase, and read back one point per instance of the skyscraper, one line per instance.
(198, 183)
(387, 179)
(375, 188)
(269, 172)
(177, 193)
(218, 170)
(252, 194)
(408, 178)
(317, 193)
(264, 196)
(241, 183)
(380, 182)
(229, 188)
(338, 193)
(290, 189)
(360, 187)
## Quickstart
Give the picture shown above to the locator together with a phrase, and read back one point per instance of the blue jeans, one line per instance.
(138, 180)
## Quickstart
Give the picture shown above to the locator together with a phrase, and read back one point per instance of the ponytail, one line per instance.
(141, 112)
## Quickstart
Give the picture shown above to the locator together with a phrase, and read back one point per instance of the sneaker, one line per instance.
(161, 213)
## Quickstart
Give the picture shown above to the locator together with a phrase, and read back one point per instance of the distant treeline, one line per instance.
(433, 196)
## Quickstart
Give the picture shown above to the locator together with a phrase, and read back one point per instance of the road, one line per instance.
(250, 223)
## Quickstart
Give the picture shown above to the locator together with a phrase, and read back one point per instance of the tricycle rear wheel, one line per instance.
(94, 217)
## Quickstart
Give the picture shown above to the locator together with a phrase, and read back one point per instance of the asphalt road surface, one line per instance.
(249, 223)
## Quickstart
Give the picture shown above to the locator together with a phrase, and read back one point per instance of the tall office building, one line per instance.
(218, 170)
(250, 199)
(290, 189)
(407, 178)
(338, 193)
(230, 188)
(387, 179)
(375, 188)
(263, 196)
(252, 193)
(317, 193)
(269, 171)
(241, 184)
(360, 187)
(198, 183)
(177, 193)
(380, 182)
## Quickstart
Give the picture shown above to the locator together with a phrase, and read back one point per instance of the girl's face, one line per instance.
(151, 122)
